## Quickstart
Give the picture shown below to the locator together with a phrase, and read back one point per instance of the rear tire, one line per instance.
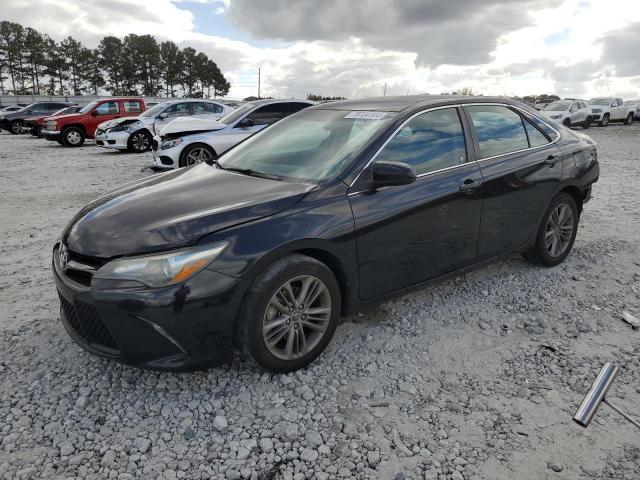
(556, 233)
(629, 119)
(278, 330)
(197, 153)
(15, 128)
(587, 123)
(72, 137)
(139, 142)
(605, 120)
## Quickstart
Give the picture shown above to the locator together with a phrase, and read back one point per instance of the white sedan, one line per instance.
(188, 141)
(135, 133)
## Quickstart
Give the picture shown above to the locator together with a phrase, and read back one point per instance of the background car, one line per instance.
(636, 104)
(187, 141)
(13, 122)
(569, 112)
(35, 124)
(72, 130)
(610, 109)
(135, 133)
(13, 108)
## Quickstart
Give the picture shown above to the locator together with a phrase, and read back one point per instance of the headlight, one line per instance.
(170, 143)
(555, 117)
(163, 269)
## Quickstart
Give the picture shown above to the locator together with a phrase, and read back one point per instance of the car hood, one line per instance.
(118, 121)
(191, 125)
(69, 116)
(175, 209)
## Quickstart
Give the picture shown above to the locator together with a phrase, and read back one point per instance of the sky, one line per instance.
(358, 48)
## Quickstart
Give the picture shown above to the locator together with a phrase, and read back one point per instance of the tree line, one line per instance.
(33, 63)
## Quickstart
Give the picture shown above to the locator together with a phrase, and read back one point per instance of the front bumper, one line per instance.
(165, 159)
(181, 327)
(53, 135)
(116, 140)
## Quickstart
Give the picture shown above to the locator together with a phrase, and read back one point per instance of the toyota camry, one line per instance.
(341, 205)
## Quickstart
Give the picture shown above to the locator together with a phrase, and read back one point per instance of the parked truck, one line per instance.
(72, 130)
(611, 109)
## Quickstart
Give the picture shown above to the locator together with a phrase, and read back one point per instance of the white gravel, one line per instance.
(476, 377)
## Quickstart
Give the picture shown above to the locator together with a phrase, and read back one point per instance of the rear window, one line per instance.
(499, 129)
(132, 106)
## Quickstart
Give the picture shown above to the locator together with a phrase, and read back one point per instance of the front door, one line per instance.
(521, 169)
(410, 233)
(103, 112)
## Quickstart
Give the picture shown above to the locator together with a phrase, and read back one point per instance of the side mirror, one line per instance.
(94, 113)
(246, 123)
(387, 174)
(163, 115)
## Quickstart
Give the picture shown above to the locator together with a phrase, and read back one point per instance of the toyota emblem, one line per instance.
(64, 256)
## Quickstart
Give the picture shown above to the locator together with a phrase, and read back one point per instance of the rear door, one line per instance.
(132, 108)
(206, 110)
(407, 234)
(521, 169)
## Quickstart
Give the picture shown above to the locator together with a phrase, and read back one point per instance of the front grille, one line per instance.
(99, 142)
(85, 321)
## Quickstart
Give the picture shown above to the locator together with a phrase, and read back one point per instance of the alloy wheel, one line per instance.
(198, 155)
(16, 127)
(140, 142)
(559, 231)
(297, 317)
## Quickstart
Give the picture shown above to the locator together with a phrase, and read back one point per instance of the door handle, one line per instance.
(551, 161)
(469, 186)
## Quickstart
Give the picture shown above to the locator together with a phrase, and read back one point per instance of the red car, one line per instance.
(72, 130)
(36, 123)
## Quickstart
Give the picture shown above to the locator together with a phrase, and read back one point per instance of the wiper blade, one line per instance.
(250, 172)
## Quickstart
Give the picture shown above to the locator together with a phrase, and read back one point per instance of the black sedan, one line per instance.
(13, 122)
(336, 207)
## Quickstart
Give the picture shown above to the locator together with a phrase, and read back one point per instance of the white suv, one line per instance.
(188, 141)
(135, 133)
(569, 113)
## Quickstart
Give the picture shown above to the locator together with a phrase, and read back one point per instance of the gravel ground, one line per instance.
(476, 377)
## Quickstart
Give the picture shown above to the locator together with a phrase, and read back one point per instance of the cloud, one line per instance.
(621, 48)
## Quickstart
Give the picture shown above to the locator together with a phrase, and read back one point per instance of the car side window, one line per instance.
(614, 102)
(132, 106)
(536, 137)
(268, 114)
(620, 102)
(201, 108)
(295, 107)
(177, 110)
(499, 129)
(431, 141)
(108, 108)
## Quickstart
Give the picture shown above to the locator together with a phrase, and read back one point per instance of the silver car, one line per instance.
(187, 141)
(136, 133)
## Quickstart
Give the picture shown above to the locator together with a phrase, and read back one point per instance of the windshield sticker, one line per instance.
(366, 115)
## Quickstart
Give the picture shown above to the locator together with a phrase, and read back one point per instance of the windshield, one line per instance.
(88, 107)
(557, 106)
(155, 110)
(313, 145)
(237, 114)
(600, 101)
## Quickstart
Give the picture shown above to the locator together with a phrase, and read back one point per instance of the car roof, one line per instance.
(266, 101)
(409, 102)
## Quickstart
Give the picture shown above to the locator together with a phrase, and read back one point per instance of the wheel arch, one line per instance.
(181, 157)
(77, 125)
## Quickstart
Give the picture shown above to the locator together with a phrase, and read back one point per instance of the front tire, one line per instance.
(567, 123)
(556, 233)
(139, 142)
(587, 123)
(290, 314)
(629, 119)
(73, 137)
(605, 120)
(197, 153)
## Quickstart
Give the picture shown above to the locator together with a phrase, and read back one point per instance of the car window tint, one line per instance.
(536, 137)
(429, 142)
(177, 110)
(132, 106)
(108, 108)
(499, 129)
(204, 108)
(296, 107)
(268, 114)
